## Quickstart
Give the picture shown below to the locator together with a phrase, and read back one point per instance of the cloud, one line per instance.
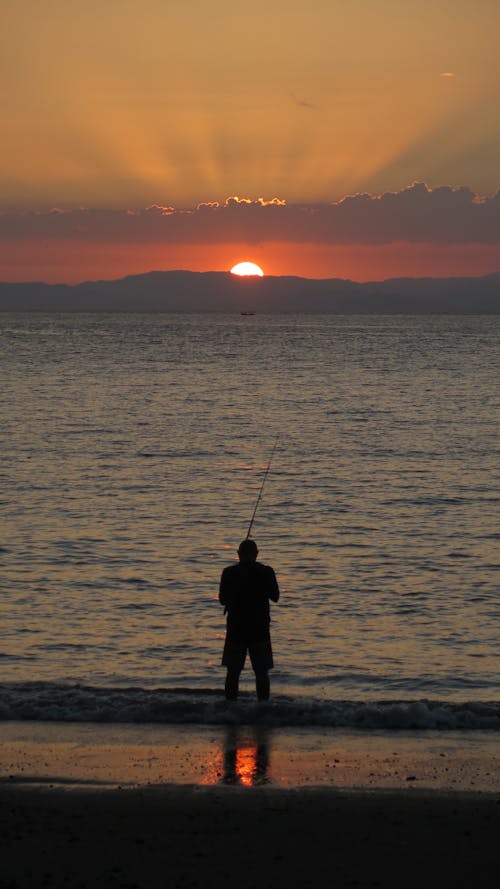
(416, 214)
(302, 102)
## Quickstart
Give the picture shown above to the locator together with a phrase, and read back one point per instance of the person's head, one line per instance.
(247, 550)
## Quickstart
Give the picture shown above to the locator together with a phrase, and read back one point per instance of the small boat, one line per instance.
(247, 313)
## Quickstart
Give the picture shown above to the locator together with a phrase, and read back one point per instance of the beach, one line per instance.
(128, 806)
(186, 836)
(134, 448)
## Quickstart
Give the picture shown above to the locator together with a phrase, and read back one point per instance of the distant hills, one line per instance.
(184, 291)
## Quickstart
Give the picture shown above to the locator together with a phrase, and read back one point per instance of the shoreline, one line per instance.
(128, 755)
(146, 807)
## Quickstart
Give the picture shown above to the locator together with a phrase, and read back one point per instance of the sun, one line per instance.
(247, 268)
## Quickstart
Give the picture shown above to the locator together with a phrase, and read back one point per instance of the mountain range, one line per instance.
(185, 291)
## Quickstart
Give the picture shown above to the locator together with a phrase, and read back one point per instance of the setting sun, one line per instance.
(247, 268)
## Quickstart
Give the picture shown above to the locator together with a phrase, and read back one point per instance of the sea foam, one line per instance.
(51, 702)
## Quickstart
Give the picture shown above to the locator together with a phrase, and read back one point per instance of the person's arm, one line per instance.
(223, 588)
(273, 591)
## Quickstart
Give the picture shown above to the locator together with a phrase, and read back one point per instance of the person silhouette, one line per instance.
(245, 590)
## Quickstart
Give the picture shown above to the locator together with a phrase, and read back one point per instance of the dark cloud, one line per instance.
(417, 214)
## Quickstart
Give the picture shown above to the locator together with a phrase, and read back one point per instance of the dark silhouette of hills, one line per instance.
(184, 291)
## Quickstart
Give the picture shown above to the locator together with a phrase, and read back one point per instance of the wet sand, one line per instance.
(131, 807)
(68, 754)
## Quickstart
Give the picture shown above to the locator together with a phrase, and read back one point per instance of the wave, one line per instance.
(52, 702)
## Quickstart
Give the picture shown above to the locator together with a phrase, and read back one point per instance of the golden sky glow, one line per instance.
(125, 105)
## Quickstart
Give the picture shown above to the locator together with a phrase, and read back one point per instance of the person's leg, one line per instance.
(262, 685)
(232, 684)
(233, 658)
(261, 656)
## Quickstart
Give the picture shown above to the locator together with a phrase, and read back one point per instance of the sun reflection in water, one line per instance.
(244, 765)
(243, 760)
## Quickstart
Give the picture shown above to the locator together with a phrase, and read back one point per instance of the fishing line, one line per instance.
(259, 498)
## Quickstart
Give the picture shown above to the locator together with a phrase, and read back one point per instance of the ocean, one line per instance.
(133, 452)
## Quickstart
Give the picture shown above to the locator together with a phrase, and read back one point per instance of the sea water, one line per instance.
(133, 449)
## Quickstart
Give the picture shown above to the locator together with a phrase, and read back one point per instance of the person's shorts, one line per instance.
(259, 648)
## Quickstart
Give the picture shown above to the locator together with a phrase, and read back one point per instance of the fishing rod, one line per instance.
(259, 498)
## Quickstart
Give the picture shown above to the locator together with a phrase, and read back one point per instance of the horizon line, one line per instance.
(228, 274)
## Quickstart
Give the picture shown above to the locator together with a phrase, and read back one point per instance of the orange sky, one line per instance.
(122, 106)
(72, 262)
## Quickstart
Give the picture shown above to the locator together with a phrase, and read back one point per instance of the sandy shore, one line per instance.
(125, 806)
(181, 837)
(135, 755)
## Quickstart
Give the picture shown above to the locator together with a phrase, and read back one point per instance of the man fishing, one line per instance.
(245, 590)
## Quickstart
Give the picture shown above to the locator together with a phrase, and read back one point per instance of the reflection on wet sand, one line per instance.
(246, 756)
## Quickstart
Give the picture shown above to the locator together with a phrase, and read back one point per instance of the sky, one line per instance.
(320, 138)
